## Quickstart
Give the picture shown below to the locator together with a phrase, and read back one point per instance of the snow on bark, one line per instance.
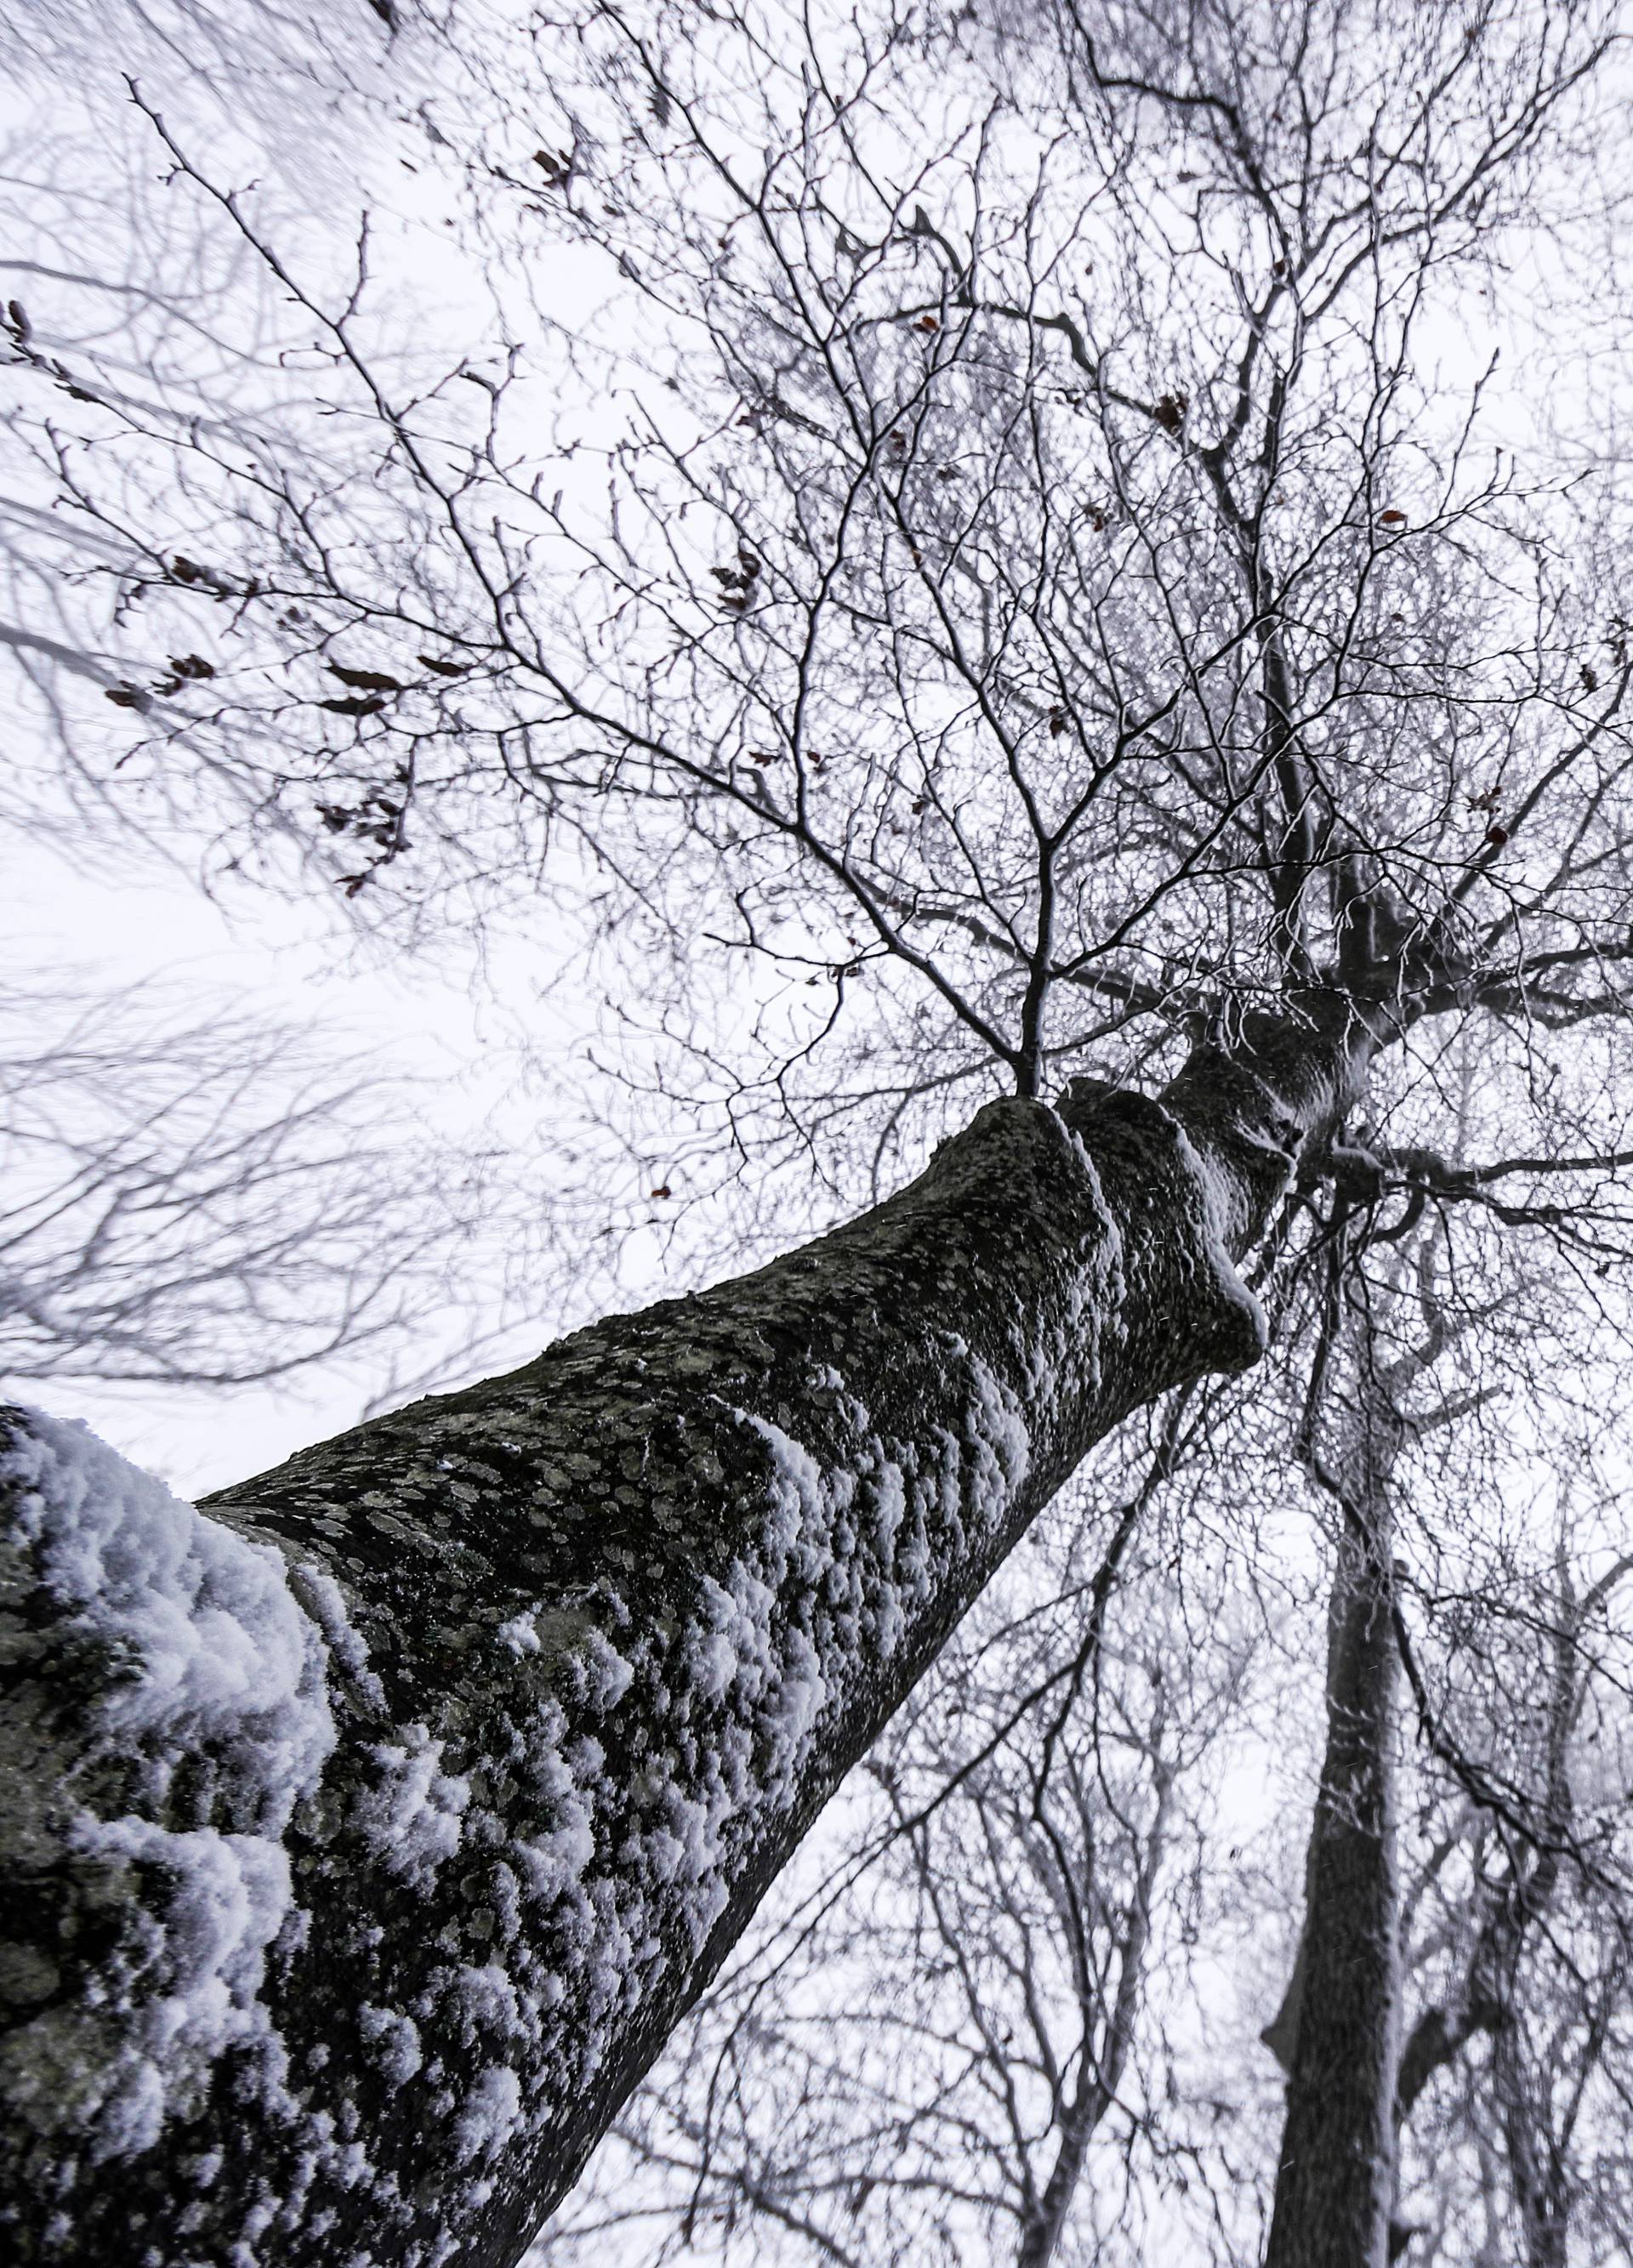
(203, 1662)
(602, 1637)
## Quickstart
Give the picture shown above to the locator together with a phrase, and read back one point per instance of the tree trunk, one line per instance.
(1341, 2035)
(365, 1838)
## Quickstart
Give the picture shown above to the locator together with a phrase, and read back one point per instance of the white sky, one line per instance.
(142, 928)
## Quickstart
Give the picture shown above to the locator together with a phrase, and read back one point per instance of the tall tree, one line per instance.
(699, 1558)
(1136, 675)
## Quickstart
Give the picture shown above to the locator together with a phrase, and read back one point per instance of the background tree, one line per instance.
(208, 1202)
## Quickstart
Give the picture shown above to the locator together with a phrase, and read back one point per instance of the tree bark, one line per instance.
(569, 1662)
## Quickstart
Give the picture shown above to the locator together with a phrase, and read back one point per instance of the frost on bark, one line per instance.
(366, 1838)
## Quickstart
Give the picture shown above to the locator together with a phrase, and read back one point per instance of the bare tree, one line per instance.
(1147, 678)
(208, 1201)
(1516, 2062)
(1338, 2031)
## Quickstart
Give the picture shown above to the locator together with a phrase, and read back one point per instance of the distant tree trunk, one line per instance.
(1492, 1997)
(1335, 2180)
(1339, 2033)
(362, 1979)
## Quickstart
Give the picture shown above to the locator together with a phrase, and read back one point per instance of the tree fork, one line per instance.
(570, 1661)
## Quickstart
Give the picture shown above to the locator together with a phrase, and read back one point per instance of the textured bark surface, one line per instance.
(600, 1638)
